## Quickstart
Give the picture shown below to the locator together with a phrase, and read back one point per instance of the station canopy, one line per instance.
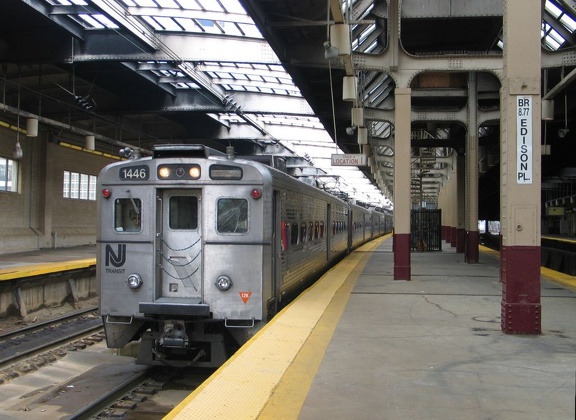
(262, 76)
(234, 71)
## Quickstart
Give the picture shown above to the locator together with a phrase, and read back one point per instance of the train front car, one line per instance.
(182, 244)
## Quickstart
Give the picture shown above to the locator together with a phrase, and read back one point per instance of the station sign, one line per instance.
(555, 211)
(524, 139)
(349, 160)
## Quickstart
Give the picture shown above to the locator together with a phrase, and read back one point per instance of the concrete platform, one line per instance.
(429, 348)
(45, 261)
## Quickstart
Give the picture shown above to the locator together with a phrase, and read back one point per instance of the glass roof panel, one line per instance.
(568, 22)
(167, 3)
(553, 9)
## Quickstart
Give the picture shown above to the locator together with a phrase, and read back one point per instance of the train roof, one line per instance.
(184, 150)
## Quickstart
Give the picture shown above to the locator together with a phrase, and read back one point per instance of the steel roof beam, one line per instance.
(112, 46)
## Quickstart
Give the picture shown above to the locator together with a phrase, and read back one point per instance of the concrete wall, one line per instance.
(37, 216)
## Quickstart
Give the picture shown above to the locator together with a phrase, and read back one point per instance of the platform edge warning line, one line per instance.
(229, 392)
(288, 398)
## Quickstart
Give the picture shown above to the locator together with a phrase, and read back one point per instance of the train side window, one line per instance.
(294, 238)
(183, 212)
(316, 230)
(303, 235)
(232, 215)
(310, 230)
(321, 229)
(127, 215)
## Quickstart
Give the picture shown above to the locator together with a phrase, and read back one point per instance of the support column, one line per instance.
(442, 206)
(471, 253)
(460, 203)
(447, 207)
(402, 181)
(453, 201)
(520, 168)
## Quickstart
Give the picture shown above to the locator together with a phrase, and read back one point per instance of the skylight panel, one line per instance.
(371, 47)
(212, 5)
(144, 3)
(270, 79)
(551, 43)
(233, 7)
(167, 3)
(556, 37)
(250, 31)
(231, 29)
(105, 21)
(152, 22)
(568, 22)
(239, 76)
(551, 37)
(68, 2)
(90, 21)
(208, 26)
(553, 9)
(188, 4)
(187, 24)
(168, 24)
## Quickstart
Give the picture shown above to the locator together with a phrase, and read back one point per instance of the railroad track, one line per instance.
(109, 391)
(44, 336)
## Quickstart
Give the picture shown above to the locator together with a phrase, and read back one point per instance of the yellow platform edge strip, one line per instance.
(289, 396)
(19, 272)
(231, 394)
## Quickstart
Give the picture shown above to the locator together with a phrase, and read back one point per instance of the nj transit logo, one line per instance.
(117, 259)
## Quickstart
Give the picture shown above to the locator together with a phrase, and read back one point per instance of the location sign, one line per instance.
(524, 140)
(349, 160)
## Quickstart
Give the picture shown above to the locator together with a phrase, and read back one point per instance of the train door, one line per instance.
(276, 249)
(180, 244)
(328, 230)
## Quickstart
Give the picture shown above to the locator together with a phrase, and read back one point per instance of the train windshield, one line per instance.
(232, 215)
(127, 215)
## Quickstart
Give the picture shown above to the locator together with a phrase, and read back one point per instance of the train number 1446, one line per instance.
(132, 173)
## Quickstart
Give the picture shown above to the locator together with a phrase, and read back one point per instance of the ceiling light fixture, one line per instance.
(32, 127)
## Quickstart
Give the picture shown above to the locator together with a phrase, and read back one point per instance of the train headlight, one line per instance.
(194, 172)
(223, 283)
(134, 281)
(164, 172)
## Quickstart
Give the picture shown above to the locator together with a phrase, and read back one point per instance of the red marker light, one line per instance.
(106, 193)
(256, 193)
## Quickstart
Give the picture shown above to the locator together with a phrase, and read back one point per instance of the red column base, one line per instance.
(521, 318)
(453, 236)
(520, 276)
(401, 256)
(472, 247)
(460, 241)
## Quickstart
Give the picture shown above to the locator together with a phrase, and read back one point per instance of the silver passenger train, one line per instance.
(197, 249)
